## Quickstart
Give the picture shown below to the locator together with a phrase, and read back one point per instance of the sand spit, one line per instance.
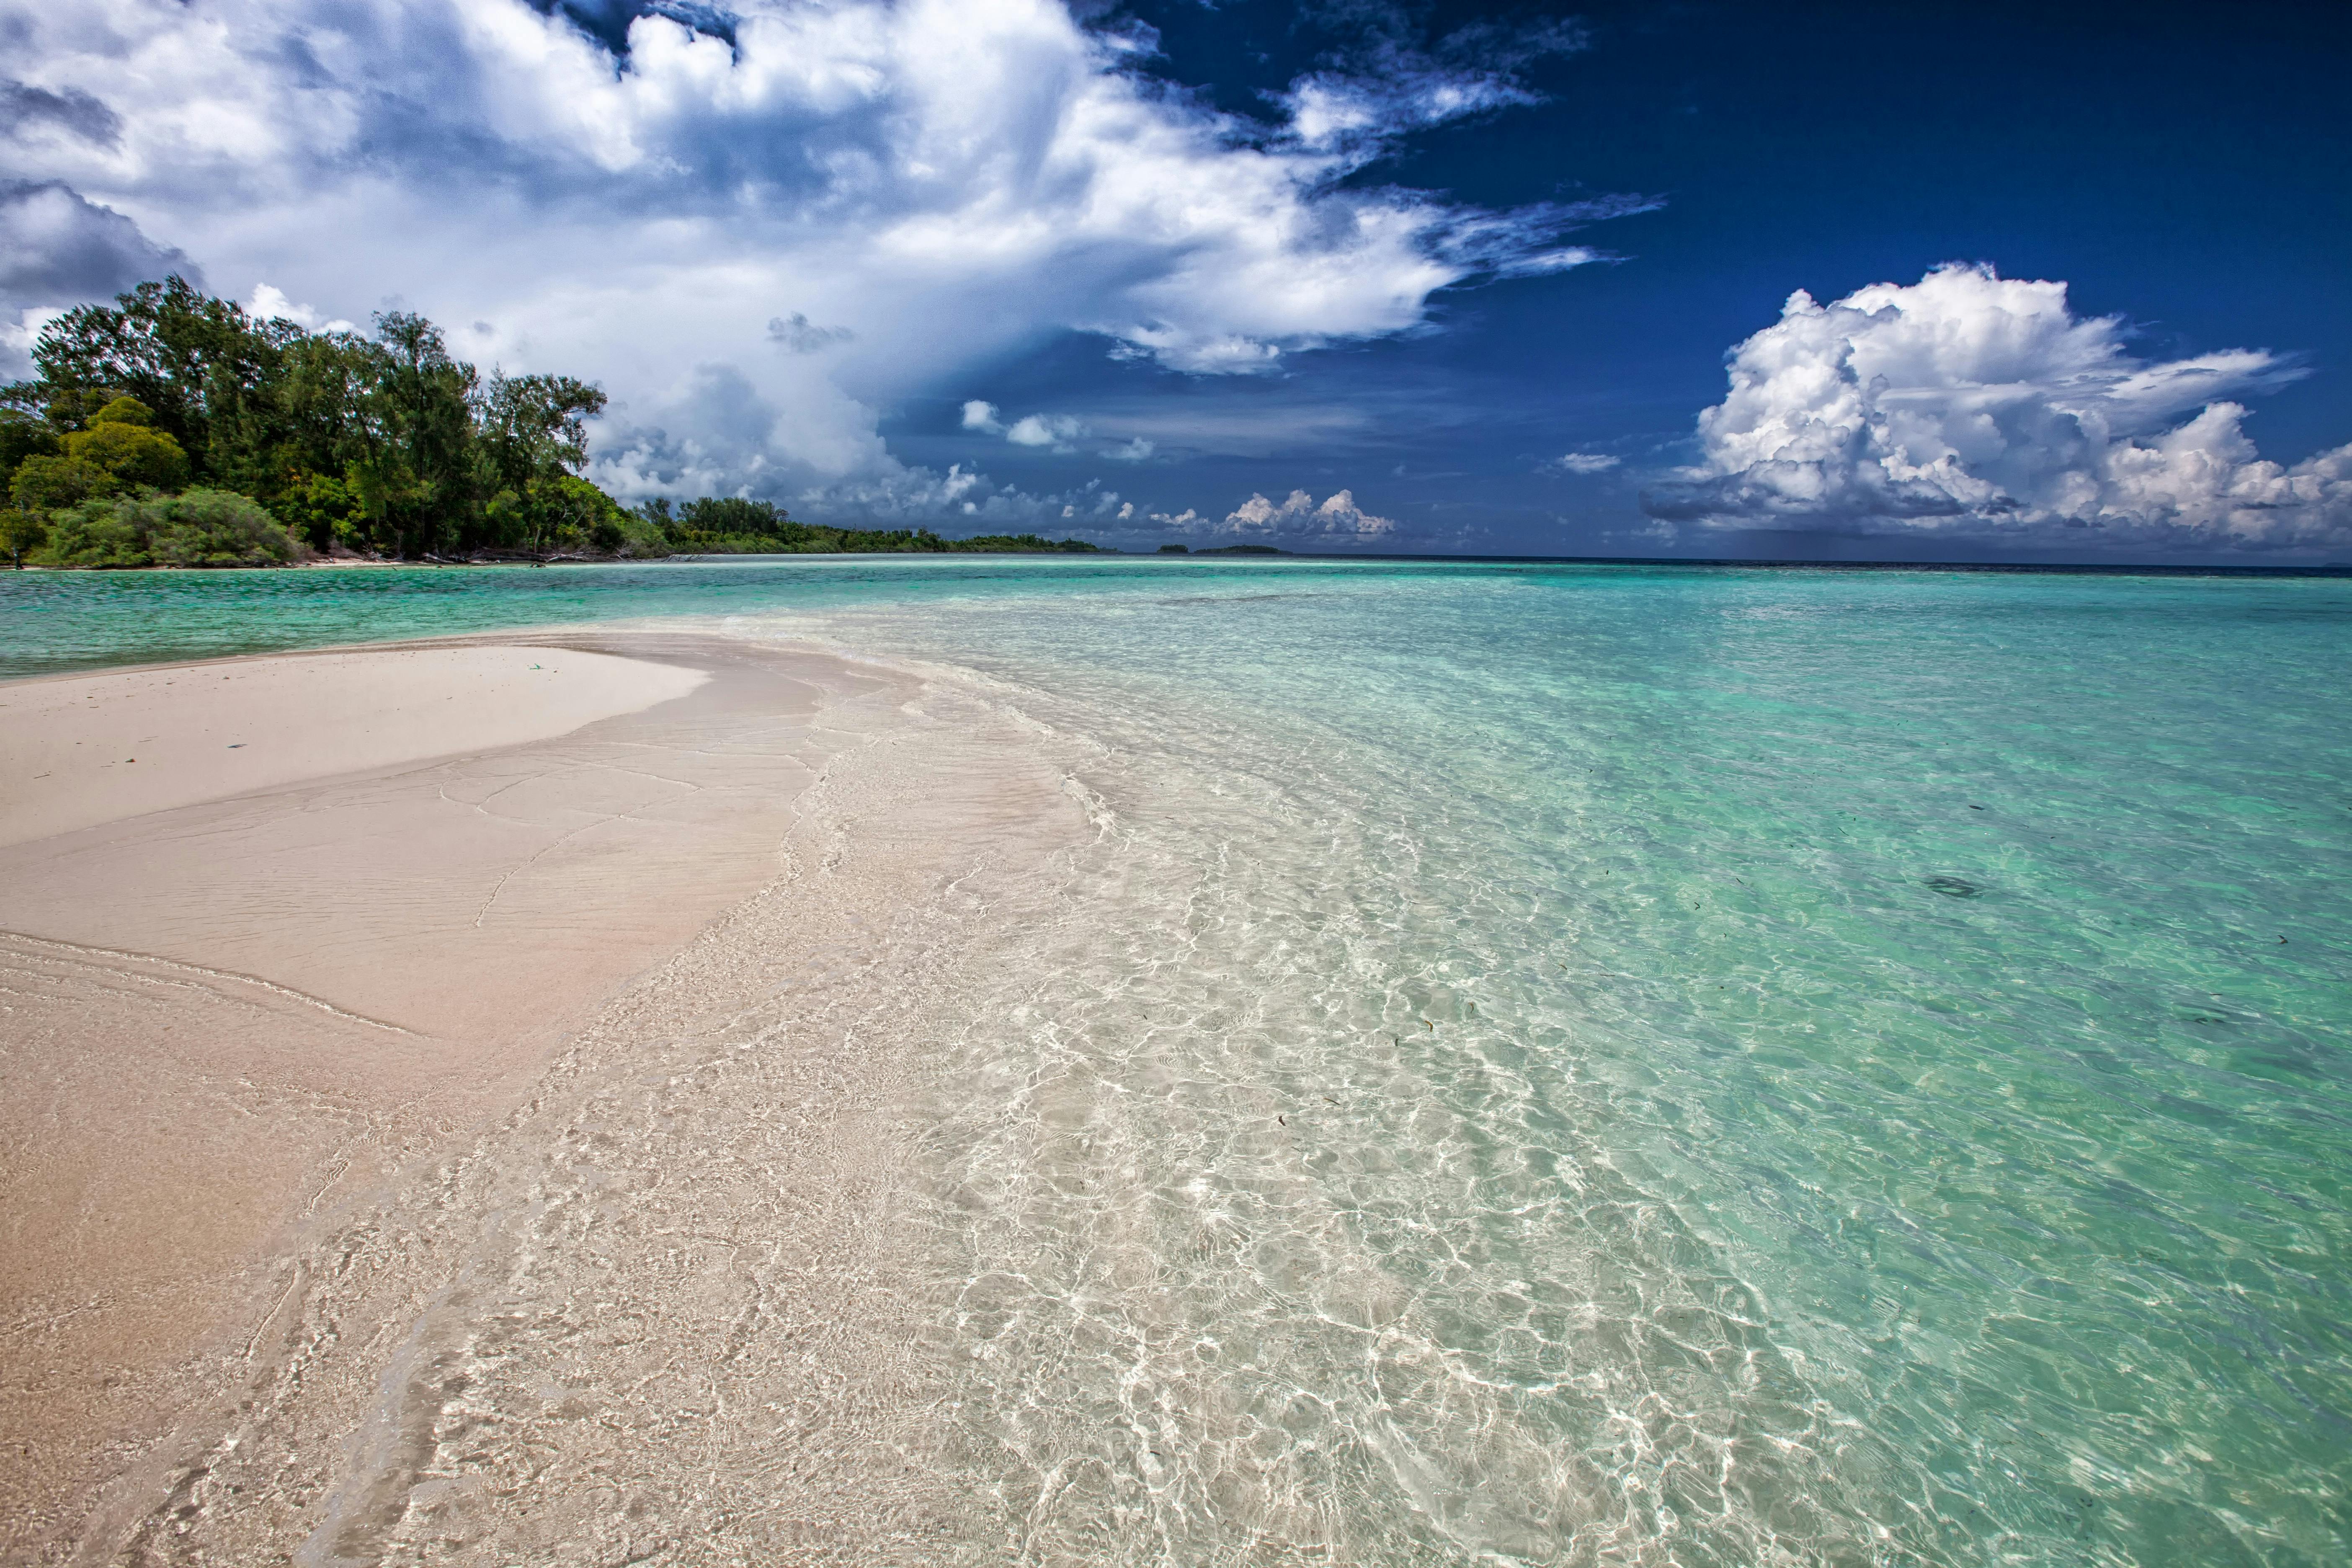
(556, 1092)
(86, 749)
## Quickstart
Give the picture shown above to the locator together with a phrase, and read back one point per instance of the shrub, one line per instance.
(221, 528)
(123, 410)
(97, 534)
(132, 454)
(21, 534)
(202, 528)
(642, 539)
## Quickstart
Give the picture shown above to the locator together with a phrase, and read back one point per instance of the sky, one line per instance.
(1936, 282)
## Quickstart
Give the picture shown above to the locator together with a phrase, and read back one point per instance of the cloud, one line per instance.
(627, 187)
(1968, 403)
(1583, 463)
(796, 335)
(1387, 86)
(1054, 430)
(608, 21)
(270, 304)
(1298, 520)
(58, 248)
(27, 109)
(1050, 431)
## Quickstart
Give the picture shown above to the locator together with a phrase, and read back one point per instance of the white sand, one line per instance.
(86, 749)
(256, 1003)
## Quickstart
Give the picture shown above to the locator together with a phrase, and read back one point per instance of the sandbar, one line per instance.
(80, 750)
(265, 989)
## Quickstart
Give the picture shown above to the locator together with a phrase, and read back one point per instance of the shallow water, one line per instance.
(1564, 1063)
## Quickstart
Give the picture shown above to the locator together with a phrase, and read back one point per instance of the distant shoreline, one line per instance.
(2331, 569)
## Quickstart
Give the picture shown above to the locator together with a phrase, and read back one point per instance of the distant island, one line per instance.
(173, 428)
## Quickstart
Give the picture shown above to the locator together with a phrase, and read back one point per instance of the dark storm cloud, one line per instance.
(57, 248)
(72, 110)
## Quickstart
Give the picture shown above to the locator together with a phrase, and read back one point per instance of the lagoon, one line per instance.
(1558, 1062)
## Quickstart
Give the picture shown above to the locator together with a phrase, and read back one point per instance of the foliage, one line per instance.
(21, 533)
(22, 435)
(382, 443)
(730, 525)
(321, 510)
(197, 363)
(121, 441)
(201, 527)
(642, 539)
(46, 483)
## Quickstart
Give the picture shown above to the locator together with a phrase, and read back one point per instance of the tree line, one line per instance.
(732, 525)
(176, 428)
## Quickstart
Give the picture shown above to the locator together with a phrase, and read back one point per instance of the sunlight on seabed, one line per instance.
(1579, 1064)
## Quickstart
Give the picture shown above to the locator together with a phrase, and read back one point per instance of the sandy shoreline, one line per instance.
(279, 1028)
(77, 751)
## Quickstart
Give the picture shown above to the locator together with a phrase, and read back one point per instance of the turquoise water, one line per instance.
(1597, 1064)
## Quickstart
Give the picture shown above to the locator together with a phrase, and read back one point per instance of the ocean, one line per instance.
(1602, 1063)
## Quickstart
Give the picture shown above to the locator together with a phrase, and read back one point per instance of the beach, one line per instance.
(266, 1003)
(1064, 1061)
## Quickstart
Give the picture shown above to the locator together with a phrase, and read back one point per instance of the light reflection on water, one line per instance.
(1615, 1064)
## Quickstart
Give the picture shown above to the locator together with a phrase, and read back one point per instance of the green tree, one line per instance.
(196, 361)
(45, 484)
(120, 441)
(21, 533)
(416, 433)
(321, 509)
(533, 440)
(721, 516)
(23, 434)
(384, 441)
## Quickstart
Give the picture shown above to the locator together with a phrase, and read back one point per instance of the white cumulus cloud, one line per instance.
(270, 304)
(1968, 404)
(1339, 520)
(932, 184)
(1584, 462)
(1054, 430)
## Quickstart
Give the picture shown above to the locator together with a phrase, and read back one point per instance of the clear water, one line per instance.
(1591, 1063)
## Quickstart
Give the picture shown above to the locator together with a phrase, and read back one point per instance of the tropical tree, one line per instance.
(21, 533)
(119, 440)
(193, 360)
(533, 440)
(414, 433)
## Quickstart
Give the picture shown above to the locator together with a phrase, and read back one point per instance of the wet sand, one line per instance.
(336, 1090)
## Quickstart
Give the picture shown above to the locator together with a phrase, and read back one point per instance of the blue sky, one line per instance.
(1346, 277)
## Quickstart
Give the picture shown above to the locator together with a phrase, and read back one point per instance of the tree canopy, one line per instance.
(382, 443)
